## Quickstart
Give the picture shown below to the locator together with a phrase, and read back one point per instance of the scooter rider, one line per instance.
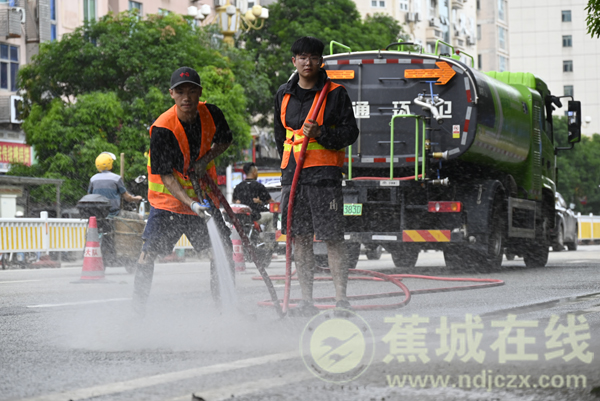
(252, 193)
(109, 185)
(318, 205)
(191, 134)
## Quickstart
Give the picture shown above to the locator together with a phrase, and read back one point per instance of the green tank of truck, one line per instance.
(449, 158)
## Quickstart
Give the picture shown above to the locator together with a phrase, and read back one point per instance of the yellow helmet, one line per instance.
(104, 161)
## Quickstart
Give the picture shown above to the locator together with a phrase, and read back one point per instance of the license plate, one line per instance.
(352, 209)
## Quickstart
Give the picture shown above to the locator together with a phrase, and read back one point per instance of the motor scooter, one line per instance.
(263, 242)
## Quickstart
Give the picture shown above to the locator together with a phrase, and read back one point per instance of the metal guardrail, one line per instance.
(49, 235)
(589, 227)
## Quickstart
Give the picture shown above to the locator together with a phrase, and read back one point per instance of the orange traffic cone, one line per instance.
(238, 251)
(93, 266)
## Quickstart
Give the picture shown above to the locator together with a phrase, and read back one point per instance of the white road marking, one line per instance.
(18, 281)
(241, 389)
(128, 385)
(97, 301)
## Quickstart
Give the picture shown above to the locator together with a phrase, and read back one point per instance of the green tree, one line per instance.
(327, 20)
(578, 169)
(101, 87)
(593, 17)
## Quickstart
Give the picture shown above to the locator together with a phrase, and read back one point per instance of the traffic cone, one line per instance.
(93, 266)
(238, 251)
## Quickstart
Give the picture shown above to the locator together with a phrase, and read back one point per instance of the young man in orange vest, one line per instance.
(191, 134)
(318, 206)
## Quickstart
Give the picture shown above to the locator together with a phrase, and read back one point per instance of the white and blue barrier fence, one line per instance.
(49, 235)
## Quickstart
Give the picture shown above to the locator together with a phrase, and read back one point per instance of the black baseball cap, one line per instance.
(185, 75)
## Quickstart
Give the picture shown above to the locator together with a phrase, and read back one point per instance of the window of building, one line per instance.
(479, 62)
(478, 32)
(478, 5)
(502, 63)
(251, 4)
(416, 6)
(89, 10)
(52, 20)
(432, 8)
(135, 5)
(403, 5)
(566, 16)
(501, 38)
(567, 41)
(162, 11)
(9, 67)
(501, 10)
(568, 90)
(378, 3)
(567, 65)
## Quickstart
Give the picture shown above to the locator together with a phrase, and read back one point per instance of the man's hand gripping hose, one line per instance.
(299, 165)
(200, 210)
(207, 184)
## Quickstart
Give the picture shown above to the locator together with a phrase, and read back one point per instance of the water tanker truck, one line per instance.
(449, 158)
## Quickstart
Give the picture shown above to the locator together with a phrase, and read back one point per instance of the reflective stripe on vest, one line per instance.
(158, 194)
(316, 154)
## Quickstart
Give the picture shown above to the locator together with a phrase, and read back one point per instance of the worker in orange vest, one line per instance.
(191, 134)
(318, 206)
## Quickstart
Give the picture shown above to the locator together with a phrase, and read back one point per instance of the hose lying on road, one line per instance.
(396, 279)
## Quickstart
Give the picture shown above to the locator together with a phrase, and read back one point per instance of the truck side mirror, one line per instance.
(574, 121)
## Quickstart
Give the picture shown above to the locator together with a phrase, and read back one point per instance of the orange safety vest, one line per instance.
(316, 154)
(158, 194)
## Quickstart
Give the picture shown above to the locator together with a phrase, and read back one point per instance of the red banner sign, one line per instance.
(15, 153)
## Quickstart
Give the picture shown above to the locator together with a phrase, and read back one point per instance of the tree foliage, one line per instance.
(579, 170)
(593, 17)
(327, 20)
(101, 87)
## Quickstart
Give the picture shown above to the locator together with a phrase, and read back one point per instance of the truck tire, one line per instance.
(456, 258)
(322, 260)
(404, 257)
(491, 258)
(353, 254)
(536, 255)
(559, 242)
(374, 253)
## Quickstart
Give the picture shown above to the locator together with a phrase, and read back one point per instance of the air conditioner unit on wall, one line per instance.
(15, 115)
(410, 17)
(434, 22)
(471, 40)
(21, 11)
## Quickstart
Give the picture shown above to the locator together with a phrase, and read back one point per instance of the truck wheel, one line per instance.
(353, 254)
(374, 253)
(536, 255)
(559, 244)
(322, 260)
(572, 246)
(455, 258)
(404, 257)
(491, 259)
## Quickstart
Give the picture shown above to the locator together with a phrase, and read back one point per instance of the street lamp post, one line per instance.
(232, 17)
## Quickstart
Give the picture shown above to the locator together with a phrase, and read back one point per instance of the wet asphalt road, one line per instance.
(63, 340)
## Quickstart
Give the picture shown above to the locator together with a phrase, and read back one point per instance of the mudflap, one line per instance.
(478, 202)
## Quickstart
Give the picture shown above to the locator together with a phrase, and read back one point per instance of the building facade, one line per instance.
(492, 35)
(549, 39)
(427, 21)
